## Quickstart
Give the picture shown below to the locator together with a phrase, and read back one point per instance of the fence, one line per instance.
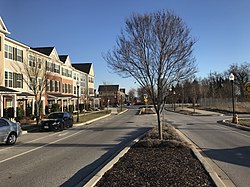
(224, 104)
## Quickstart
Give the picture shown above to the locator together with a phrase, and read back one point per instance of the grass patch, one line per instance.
(90, 116)
(244, 122)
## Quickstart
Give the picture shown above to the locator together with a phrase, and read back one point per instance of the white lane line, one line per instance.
(26, 152)
(19, 145)
(63, 134)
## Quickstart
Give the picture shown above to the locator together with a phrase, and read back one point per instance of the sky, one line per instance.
(87, 29)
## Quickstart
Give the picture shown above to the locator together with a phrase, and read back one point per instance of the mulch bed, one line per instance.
(152, 162)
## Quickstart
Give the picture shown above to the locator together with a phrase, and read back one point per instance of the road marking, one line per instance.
(19, 145)
(26, 152)
(63, 134)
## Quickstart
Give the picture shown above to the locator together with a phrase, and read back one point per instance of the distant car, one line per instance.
(9, 131)
(56, 121)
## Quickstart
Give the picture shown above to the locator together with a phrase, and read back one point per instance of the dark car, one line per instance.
(56, 121)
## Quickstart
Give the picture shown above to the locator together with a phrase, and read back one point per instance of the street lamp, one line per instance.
(77, 118)
(231, 78)
(174, 100)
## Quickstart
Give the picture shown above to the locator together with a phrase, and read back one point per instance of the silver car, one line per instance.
(9, 131)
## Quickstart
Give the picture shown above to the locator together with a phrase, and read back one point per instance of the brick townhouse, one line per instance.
(66, 82)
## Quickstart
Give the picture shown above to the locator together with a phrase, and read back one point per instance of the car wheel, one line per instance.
(11, 139)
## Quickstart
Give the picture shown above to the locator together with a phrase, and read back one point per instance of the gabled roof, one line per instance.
(63, 58)
(84, 67)
(3, 28)
(108, 88)
(44, 50)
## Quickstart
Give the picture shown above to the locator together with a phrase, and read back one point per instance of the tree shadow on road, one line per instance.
(237, 155)
(85, 174)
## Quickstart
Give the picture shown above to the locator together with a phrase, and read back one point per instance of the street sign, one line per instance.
(247, 87)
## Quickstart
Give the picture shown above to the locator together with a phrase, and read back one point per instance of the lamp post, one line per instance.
(77, 118)
(231, 78)
(174, 100)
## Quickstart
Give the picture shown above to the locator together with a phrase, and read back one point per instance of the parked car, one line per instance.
(56, 121)
(9, 131)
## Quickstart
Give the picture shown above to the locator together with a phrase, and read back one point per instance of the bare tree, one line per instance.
(242, 76)
(156, 50)
(35, 77)
(131, 94)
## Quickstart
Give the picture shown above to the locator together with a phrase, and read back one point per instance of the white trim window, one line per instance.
(8, 79)
(8, 51)
(32, 61)
(63, 88)
(39, 61)
(19, 80)
(19, 55)
(57, 68)
(48, 85)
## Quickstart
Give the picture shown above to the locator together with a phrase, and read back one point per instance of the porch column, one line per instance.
(14, 104)
(62, 104)
(2, 106)
(43, 100)
(33, 106)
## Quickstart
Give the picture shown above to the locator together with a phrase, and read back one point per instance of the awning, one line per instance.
(5, 90)
(59, 96)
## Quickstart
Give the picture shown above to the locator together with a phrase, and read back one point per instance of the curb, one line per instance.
(96, 119)
(90, 121)
(223, 122)
(218, 180)
(97, 174)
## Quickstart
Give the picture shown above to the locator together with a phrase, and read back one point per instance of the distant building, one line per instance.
(111, 95)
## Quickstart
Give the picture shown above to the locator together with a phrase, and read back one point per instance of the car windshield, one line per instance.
(55, 115)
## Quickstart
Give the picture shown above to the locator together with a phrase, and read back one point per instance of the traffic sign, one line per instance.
(247, 87)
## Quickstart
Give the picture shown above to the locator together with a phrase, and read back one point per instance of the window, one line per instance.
(17, 80)
(66, 88)
(74, 76)
(39, 61)
(53, 86)
(57, 86)
(8, 51)
(32, 83)
(19, 55)
(64, 71)
(63, 88)
(70, 88)
(3, 123)
(57, 68)
(70, 74)
(74, 90)
(40, 84)
(48, 66)
(8, 79)
(48, 85)
(32, 61)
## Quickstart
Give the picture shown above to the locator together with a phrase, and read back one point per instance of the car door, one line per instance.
(4, 129)
(66, 120)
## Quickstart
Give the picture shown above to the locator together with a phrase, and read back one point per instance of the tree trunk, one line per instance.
(159, 125)
(37, 113)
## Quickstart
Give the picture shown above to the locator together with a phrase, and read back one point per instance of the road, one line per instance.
(229, 148)
(68, 157)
